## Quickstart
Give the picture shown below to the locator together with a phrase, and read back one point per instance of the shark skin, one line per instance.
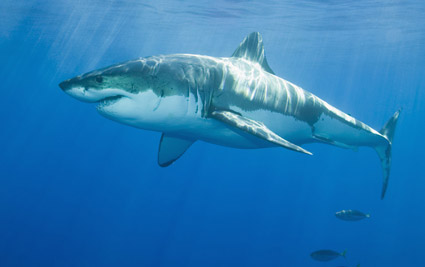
(234, 101)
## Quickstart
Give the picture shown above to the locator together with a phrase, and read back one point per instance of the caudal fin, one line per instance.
(384, 152)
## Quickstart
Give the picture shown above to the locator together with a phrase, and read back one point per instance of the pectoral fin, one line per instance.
(255, 128)
(171, 148)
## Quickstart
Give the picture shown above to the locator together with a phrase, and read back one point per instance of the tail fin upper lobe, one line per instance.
(384, 152)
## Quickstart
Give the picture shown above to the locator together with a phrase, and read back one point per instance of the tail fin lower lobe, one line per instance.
(384, 152)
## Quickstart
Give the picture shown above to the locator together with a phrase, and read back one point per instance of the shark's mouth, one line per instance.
(109, 100)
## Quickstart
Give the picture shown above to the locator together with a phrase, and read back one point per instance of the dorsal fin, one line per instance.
(252, 49)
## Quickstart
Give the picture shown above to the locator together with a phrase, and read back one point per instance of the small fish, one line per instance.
(326, 255)
(351, 215)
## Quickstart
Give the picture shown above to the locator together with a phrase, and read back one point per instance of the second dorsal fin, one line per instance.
(252, 49)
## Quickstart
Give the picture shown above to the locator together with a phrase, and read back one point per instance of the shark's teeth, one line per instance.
(109, 100)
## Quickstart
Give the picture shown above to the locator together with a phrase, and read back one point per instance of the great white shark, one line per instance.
(234, 101)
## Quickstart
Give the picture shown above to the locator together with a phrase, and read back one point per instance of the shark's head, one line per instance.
(133, 92)
(110, 84)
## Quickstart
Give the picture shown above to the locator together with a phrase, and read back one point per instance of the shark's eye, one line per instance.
(99, 79)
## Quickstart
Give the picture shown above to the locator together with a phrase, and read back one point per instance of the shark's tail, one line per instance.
(384, 152)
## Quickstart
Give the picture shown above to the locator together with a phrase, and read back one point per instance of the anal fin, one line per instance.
(255, 128)
(171, 148)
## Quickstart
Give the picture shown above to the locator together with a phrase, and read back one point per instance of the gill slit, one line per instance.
(159, 100)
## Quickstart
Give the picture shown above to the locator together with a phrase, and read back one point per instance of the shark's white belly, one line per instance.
(213, 131)
(288, 127)
(181, 115)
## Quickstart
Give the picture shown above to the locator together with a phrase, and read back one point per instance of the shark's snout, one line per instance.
(76, 88)
(63, 85)
(69, 84)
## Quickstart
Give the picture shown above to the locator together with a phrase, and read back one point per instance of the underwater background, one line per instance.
(77, 189)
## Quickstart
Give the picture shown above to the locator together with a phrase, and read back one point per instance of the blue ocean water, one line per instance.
(79, 190)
